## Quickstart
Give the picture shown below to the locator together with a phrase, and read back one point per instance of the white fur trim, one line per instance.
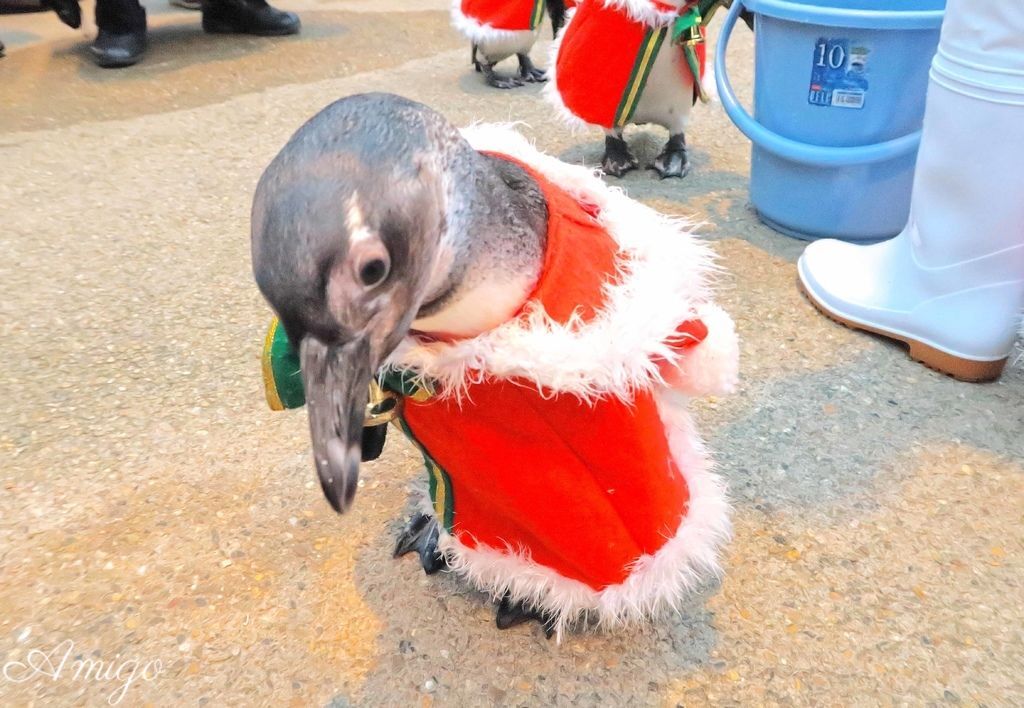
(655, 582)
(550, 91)
(483, 34)
(644, 11)
(665, 278)
(713, 365)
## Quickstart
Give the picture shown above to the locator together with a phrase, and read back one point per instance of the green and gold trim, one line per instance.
(649, 48)
(537, 16)
(688, 32)
(282, 379)
(442, 497)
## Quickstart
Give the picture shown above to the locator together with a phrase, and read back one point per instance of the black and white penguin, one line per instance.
(375, 218)
(526, 317)
(499, 29)
(622, 62)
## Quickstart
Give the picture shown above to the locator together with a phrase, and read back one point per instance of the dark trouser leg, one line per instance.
(120, 16)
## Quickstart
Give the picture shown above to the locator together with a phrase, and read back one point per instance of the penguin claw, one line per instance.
(421, 535)
(511, 614)
(617, 160)
(672, 161)
(504, 82)
(535, 75)
(500, 82)
(528, 71)
(671, 165)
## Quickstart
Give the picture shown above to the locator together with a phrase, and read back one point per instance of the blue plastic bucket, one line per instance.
(839, 89)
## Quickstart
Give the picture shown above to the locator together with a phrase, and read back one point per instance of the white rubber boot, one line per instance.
(951, 285)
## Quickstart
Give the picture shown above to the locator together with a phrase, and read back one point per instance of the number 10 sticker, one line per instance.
(839, 73)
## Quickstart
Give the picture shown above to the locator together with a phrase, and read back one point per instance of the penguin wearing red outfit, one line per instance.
(498, 29)
(652, 59)
(540, 332)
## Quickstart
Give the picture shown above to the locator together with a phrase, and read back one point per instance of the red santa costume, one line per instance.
(628, 36)
(564, 469)
(499, 23)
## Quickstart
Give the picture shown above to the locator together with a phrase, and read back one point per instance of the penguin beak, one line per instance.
(336, 379)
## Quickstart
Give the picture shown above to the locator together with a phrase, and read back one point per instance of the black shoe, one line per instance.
(116, 50)
(67, 10)
(247, 17)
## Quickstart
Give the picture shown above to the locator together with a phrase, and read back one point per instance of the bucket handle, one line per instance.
(794, 150)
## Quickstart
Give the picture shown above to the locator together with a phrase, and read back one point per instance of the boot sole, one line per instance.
(969, 370)
(105, 63)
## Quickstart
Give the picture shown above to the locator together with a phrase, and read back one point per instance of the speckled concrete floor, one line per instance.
(153, 509)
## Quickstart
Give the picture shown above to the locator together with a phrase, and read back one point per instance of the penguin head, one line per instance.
(347, 223)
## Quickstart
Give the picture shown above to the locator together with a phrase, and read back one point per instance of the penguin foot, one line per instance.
(421, 536)
(617, 160)
(529, 72)
(672, 161)
(512, 613)
(501, 82)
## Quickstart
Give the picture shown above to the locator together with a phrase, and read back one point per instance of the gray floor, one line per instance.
(153, 508)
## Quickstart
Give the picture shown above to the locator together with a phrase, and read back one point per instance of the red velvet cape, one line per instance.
(583, 488)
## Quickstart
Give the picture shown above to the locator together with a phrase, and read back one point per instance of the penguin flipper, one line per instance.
(421, 535)
(556, 11)
(374, 437)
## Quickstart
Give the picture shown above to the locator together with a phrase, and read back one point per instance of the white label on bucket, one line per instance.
(848, 99)
(839, 73)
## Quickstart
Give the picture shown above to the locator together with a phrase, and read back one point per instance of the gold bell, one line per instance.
(383, 406)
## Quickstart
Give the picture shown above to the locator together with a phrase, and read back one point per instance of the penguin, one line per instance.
(536, 333)
(652, 61)
(497, 29)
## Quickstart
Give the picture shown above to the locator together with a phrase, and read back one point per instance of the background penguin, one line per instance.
(532, 322)
(500, 28)
(651, 62)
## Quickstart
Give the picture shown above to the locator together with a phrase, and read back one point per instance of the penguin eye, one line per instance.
(373, 271)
